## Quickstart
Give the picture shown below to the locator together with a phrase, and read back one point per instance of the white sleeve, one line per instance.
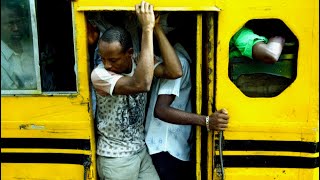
(170, 87)
(104, 81)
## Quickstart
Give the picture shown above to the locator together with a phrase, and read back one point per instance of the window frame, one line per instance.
(34, 30)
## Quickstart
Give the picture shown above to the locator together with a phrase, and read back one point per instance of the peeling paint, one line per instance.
(53, 132)
(72, 96)
(31, 127)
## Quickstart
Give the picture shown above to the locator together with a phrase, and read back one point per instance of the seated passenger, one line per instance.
(246, 43)
(17, 60)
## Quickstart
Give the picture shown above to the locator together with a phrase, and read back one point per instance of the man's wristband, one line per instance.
(207, 123)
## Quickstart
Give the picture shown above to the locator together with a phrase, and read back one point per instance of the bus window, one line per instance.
(37, 52)
(255, 78)
(56, 48)
(19, 57)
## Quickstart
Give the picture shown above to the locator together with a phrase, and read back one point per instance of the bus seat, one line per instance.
(283, 68)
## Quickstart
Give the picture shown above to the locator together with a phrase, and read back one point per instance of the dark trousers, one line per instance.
(171, 168)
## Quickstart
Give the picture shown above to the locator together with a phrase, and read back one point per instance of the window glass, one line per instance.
(18, 45)
(37, 47)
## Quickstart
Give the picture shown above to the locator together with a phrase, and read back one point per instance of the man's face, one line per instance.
(11, 26)
(114, 59)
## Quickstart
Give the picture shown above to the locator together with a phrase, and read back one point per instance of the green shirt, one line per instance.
(242, 42)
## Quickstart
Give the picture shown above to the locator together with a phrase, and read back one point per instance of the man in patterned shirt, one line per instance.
(121, 83)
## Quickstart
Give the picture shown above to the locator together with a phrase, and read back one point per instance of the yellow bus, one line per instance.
(47, 122)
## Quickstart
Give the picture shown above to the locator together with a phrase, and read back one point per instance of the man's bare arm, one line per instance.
(171, 66)
(217, 121)
(142, 77)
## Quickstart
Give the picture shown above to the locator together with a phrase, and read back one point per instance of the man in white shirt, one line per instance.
(97, 23)
(17, 62)
(169, 122)
(121, 83)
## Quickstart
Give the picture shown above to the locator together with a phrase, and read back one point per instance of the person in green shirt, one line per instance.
(246, 43)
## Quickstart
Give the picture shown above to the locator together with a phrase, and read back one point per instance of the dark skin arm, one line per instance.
(92, 34)
(142, 77)
(171, 66)
(217, 121)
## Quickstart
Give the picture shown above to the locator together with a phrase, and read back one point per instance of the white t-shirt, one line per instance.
(120, 118)
(166, 137)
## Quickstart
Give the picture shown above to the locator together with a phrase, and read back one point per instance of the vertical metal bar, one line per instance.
(198, 94)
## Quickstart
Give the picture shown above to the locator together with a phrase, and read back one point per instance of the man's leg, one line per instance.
(125, 168)
(147, 169)
(170, 168)
(165, 165)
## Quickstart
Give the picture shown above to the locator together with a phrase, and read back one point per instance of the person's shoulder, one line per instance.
(185, 62)
(6, 51)
(183, 59)
(182, 53)
(101, 71)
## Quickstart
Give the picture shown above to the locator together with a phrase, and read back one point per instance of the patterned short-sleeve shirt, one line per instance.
(119, 117)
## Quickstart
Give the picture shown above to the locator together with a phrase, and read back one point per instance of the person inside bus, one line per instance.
(17, 62)
(170, 119)
(246, 43)
(121, 83)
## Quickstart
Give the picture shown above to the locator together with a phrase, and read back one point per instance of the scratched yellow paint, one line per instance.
(198, 94)
(295, 110)
(291, 116)
(36, 150)
(270, 153)
(28, 171)
(81, 48)
(66, 116)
